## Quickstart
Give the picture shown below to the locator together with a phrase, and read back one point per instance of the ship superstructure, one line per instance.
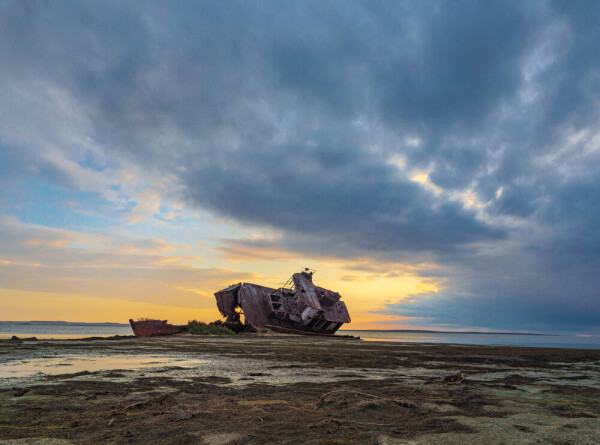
(298, 306)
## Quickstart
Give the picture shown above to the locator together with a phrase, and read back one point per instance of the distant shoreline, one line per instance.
(421, 331)
(418, 331)
(62, 323)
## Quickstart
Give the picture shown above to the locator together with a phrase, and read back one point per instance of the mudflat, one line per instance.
(252, 389)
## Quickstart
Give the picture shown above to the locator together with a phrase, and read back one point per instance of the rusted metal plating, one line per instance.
(303, 307)
(154, 328)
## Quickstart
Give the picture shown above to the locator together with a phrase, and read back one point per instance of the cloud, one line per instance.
(146, 207)
(310, 119)
(257, 249)
(356, 278)
(144, 246)
(39, 259)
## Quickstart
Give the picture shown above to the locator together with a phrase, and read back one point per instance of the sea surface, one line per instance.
(476, 338)
(76, 330)
(71, 330)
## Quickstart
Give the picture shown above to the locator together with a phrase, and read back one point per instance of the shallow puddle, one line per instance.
(236, 371)
(74, 364)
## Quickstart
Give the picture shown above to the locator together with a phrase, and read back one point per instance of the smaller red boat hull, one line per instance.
(154, 328)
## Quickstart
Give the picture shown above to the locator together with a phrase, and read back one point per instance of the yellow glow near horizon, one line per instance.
(32, 306)
(54, 274)
(363, 293)
(157, 280)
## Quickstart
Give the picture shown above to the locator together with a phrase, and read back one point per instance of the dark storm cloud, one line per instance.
(292, 115)
(543, 289)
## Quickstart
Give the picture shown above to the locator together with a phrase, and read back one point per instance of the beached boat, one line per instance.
(154, 328)
(298, 306)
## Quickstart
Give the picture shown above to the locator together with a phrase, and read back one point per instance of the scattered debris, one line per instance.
(323, 398)
(87, 396)
(406, 404)
(454, 378)
(163, 399)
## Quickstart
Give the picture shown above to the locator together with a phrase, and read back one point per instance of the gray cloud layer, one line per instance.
(288, 114)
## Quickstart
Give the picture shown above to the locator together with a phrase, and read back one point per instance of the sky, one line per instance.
(437, 163)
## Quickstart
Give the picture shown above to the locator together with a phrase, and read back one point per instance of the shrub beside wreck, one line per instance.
(200, 328)
(147, 327)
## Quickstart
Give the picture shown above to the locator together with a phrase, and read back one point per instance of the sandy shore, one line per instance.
(293, 390)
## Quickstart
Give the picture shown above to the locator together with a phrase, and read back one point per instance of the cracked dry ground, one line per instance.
(297, 390)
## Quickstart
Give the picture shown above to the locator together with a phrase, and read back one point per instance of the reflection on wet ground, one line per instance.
(233, 370)
(15, 369)
(171, 358)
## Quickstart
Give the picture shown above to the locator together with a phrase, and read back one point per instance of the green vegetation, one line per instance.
(200, 328)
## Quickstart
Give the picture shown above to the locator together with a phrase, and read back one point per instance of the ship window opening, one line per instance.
(322, 323)
(313, 322)
(276, 302)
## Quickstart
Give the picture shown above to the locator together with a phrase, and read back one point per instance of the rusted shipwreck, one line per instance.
(297, 307)
(154, 328)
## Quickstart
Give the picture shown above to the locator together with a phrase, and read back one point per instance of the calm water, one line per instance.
(550, 341)
(541, 341)
(65, 331)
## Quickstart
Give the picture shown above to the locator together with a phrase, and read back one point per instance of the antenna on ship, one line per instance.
(289, 282)
(308, 271)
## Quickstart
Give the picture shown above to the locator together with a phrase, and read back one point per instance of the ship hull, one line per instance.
(154, 328)
(285, 330)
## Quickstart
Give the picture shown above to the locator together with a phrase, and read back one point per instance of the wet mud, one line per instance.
(254, 389)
